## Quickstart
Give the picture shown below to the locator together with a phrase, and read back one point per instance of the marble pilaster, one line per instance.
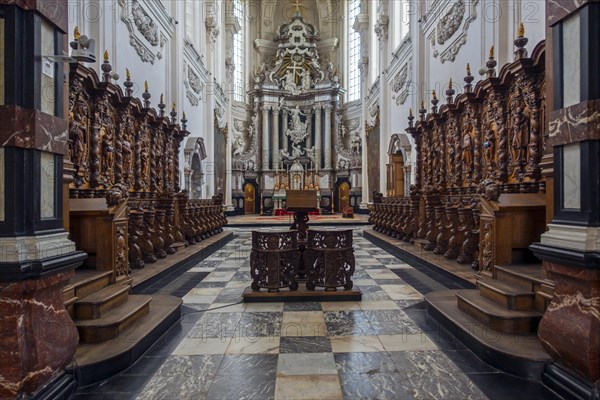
(284, 137)
(318, 130)
(266, 141)
(328, 108)
(276, 146)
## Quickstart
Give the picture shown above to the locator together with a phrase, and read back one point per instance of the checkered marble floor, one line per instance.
(317, 350)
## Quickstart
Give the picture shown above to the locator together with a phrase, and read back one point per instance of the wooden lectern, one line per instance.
(301, 202)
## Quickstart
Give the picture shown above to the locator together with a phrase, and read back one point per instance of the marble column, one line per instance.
(37, 258)
(318, 129)
(328, 108)
(309, 128)
(569, 249)
(275, 150)
(284, 137)
(265, 141)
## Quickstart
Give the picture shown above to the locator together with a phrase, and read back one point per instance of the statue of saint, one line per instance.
(296, 123)
(297, 151)
(239, 144)
(519, 132)
(306, 82)
(467, 151)
(76, 133)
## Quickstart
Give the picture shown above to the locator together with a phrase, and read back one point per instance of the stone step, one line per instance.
(527, 276)
(97, 304)
(520, 355)
(86, 282)
(98, 361)
(111, 325)
(495, 316)
(509, 296)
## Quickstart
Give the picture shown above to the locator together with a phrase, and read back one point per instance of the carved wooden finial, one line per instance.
(410, 112)
(468, 69)
(127, 74)
(422, 103)
(105, 55)
(492, 52)
(76, 33)
(146, 86)
(433, 94)
(450, 84)
(521, 32)
(184, 115)
(161, 98)
(174, 107)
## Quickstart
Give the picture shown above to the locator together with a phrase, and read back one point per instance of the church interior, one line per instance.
(300, 199)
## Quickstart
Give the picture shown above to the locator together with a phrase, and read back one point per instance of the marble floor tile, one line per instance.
(364, 282)
(340, 305)
(350, 344)
(301, 306)
(216, 325)
(260, 324)
(253, 345)
(391, 322)
(242, 387)
(227, 307)
(304, 344)
(229, 296)
(377, 386)
(199, 346)
(308, 387)
(219, 276)
(306, 364)
(431, 375)
(249, 365)
(264, 307)
(401, 292)
(345, 323)
(238, 285)
(378, 305)
(182, 377)
(201, 269)
(364, 363)
(409, 342)
(303, 323)
(379, 274)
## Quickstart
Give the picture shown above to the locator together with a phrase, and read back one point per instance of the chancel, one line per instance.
(299, 199)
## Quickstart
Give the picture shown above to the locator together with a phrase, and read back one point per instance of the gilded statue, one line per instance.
(519, 135)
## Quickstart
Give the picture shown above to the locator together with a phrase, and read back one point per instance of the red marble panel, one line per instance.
(570, 328)
(575, 123)
(557, 10)
(38, 336)
(32, 129)
(55, 11)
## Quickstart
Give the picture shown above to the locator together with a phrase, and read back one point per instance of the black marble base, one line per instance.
(61, 388)
(569, 385)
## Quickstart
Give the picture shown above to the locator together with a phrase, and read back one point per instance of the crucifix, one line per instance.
(298, 6)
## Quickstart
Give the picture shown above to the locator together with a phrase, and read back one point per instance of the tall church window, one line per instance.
(402, 10)
(239, 55)
(353, 81)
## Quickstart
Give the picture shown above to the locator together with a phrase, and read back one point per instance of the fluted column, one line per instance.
(266, 142)
(275, 150)
(328, 108)
(318, 108)
(285, 128)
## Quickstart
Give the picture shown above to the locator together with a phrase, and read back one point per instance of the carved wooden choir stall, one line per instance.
(126, 208)
(479, 195)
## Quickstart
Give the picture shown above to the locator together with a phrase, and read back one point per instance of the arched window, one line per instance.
(353, 40)
(239, 55)
(401, 20)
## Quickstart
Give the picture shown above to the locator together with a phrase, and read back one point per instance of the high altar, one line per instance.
(296, 138)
